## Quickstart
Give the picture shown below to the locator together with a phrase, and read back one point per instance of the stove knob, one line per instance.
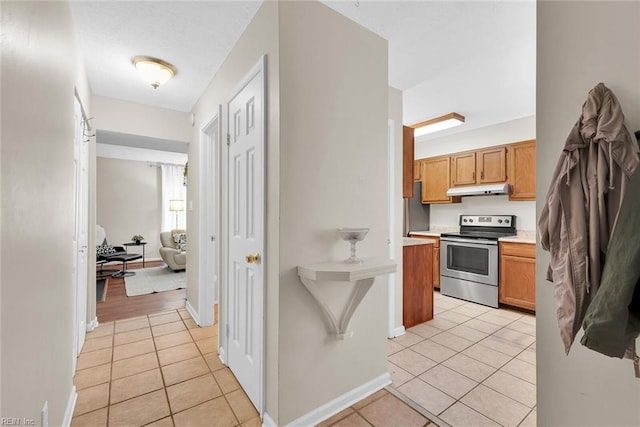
(464, 220)
(499, 221)
(470, 220)
(506, 221)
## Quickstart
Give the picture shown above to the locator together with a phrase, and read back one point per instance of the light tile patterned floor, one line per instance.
(157, 370)
(470, 366)
(163, 370)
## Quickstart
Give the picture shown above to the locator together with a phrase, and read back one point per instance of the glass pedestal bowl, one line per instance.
(353, 235)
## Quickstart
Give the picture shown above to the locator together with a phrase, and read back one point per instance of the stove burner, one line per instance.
(488, 227)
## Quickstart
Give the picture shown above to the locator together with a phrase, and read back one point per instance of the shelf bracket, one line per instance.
(363, 275)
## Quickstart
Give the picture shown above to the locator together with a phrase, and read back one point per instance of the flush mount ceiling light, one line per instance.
(154, 70)
(439, 123)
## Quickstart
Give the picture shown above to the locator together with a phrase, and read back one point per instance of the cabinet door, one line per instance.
(522, 170)
(407, 161)
(436, 176)
(463, 169)
(518, 281)
(417, 169)
(492, 165)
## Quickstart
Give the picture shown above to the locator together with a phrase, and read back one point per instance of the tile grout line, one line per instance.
(501, 327)
(418, 408)
(164, 384)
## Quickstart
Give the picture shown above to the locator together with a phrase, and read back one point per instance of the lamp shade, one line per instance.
(176, 205)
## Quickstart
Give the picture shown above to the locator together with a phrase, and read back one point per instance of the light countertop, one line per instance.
(434, 232)
(414, 241)
(523, 236)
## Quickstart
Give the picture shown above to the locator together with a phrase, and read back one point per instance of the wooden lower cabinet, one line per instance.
(518, 275)
(417, 284)
(435, 267)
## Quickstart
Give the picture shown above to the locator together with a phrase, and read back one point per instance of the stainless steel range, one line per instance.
(469, 258)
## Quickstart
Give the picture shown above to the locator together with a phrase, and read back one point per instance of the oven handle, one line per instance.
(473, 241)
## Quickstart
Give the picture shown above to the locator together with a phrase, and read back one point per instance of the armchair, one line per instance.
(174, 254)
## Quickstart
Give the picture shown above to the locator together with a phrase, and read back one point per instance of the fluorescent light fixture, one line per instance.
(154, 70)
(437, 124)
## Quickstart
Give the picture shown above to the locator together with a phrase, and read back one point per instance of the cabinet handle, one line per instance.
(482, 175)
(473, 175)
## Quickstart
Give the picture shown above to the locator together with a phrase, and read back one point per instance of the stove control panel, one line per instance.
(488, 220)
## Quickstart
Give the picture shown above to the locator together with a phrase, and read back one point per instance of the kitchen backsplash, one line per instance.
(446, 215)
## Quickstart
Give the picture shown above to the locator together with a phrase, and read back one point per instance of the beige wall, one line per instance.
(260, 37)
(397, 207)
(579, 45)
(39, 73)
(500, 133)
(333, 152)
(129, 200)
(333, 107)
(137, 119)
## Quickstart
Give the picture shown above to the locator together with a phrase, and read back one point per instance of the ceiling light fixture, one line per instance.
(154, 70)
(439, 123)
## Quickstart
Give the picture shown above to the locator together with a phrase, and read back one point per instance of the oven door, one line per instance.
(469, 259)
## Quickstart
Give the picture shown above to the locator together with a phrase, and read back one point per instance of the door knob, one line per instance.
(253, 258)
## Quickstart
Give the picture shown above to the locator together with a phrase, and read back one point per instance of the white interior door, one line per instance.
(245, 234)
(81, 206)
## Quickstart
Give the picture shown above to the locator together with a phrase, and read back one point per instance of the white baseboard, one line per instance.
(267, 421)
(397, 332)
(221, 355)
(71, 406)
(92, 325)
(192, 311)
(342, 402)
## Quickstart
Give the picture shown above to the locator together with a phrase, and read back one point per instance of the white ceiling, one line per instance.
(476, 58)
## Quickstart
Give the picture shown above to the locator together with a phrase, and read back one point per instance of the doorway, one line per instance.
(80, 228)
(209, 263)
(244, 278)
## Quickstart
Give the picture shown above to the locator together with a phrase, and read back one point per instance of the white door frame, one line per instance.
(260, 66)
(209, 262)
(81, 228)
(392, 241)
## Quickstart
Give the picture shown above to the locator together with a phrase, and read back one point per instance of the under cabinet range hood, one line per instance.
(479, 190)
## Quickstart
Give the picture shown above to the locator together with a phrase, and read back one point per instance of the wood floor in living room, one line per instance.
(118, 305)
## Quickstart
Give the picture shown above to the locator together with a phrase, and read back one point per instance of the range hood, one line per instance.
(479, 190)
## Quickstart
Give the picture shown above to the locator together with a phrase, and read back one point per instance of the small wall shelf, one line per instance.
(362, 275)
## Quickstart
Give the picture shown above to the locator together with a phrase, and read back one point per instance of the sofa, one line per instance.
(174, 249)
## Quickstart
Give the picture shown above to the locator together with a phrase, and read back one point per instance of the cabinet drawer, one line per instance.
(526, 250)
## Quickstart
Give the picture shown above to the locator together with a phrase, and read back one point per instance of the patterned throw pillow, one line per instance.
(181, 241)
(102, 250)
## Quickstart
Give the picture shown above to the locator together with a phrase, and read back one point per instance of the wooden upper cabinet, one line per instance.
(463, 169)
(417, 170)
(491, 165)
(436, 177)
(521, 159)
(479, 167)
(407, 161)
